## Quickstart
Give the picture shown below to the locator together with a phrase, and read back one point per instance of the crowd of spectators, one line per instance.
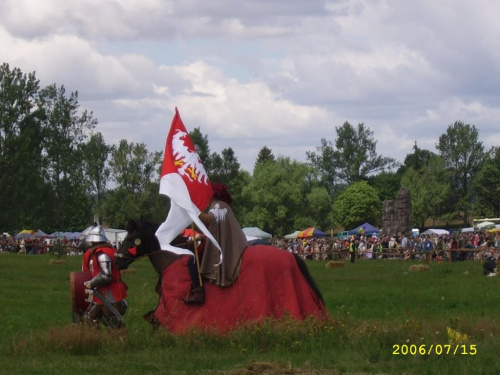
(42, 245)
(460, 246)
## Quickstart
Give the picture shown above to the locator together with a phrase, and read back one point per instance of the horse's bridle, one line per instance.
(130, 255)
(132, 251)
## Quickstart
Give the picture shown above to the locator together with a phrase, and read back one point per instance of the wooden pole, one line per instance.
(196, 253)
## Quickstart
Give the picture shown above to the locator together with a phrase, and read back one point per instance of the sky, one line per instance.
(277, 73)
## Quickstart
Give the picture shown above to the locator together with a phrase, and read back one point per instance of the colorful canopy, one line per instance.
(366, 229)
(25, 233)
(311, 232)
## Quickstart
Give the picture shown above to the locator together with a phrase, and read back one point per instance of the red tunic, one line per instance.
(116, 289)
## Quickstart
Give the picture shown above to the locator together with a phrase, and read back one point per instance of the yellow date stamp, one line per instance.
(434, 349)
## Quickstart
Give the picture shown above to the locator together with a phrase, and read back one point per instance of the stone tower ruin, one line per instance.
(396, 215)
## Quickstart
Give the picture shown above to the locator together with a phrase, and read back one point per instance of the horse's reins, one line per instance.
(156, 258)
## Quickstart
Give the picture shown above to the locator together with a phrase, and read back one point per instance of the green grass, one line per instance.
(374, 305)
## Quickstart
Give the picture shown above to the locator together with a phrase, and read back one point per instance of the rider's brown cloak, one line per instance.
(227, 231)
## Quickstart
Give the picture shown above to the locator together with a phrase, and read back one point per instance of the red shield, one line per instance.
(80, 300)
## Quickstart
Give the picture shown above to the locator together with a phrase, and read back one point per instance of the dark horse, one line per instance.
(272, 283)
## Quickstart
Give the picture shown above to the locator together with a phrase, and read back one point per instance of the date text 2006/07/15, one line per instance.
(434, 349)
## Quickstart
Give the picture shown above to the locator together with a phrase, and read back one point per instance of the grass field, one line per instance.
(378, 308)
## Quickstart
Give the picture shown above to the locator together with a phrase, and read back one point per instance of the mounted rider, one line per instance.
(222, 223)
(99, 259)
(225, 228)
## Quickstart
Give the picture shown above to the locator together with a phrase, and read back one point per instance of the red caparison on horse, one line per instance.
(272, 283)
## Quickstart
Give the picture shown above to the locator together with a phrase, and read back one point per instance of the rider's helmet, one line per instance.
(91, 236)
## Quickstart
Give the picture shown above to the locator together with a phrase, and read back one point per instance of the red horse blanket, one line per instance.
(270, 285)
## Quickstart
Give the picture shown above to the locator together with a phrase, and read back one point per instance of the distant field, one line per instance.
(378, 308)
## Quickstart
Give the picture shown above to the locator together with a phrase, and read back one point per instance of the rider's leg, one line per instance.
(193, 272)
(196, 294)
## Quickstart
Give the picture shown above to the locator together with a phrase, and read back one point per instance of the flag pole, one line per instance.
(196, 254)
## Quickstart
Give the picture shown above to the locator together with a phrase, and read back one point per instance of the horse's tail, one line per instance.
(307, 275)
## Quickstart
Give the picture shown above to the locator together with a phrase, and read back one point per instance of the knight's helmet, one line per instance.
(91, 236)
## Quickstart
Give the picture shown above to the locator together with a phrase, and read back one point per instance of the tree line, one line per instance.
(58, 172)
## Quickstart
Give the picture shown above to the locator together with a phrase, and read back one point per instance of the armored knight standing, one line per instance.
(99, 259)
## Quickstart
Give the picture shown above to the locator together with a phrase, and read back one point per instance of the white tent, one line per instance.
(115, 236)
(40, 233)
(292, 235)
(256, 232)
(467, 230)
(439, 232)
(486, 225)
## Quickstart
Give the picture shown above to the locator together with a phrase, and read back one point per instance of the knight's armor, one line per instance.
(104, 275)
(99, 258)
(92, 236)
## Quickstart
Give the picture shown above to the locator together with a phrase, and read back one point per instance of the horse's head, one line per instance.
(140, 241)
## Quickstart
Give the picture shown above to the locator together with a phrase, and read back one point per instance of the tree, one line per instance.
(417, 160)
(387, 184)
(353, 157)
(119, 206)
(225, 167)
(488, 184)
(24, 195)
(357, 204)
(438, 188)
(318, 208)
(265, 155)
(66, 130)
(133, 168)
(222, 168)
(200, 142)
(429, 188)
(226, 170)
(240, 205)
(463, 154)
(413, 181)
(323, 162)
(95, 157)
(276, 195)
